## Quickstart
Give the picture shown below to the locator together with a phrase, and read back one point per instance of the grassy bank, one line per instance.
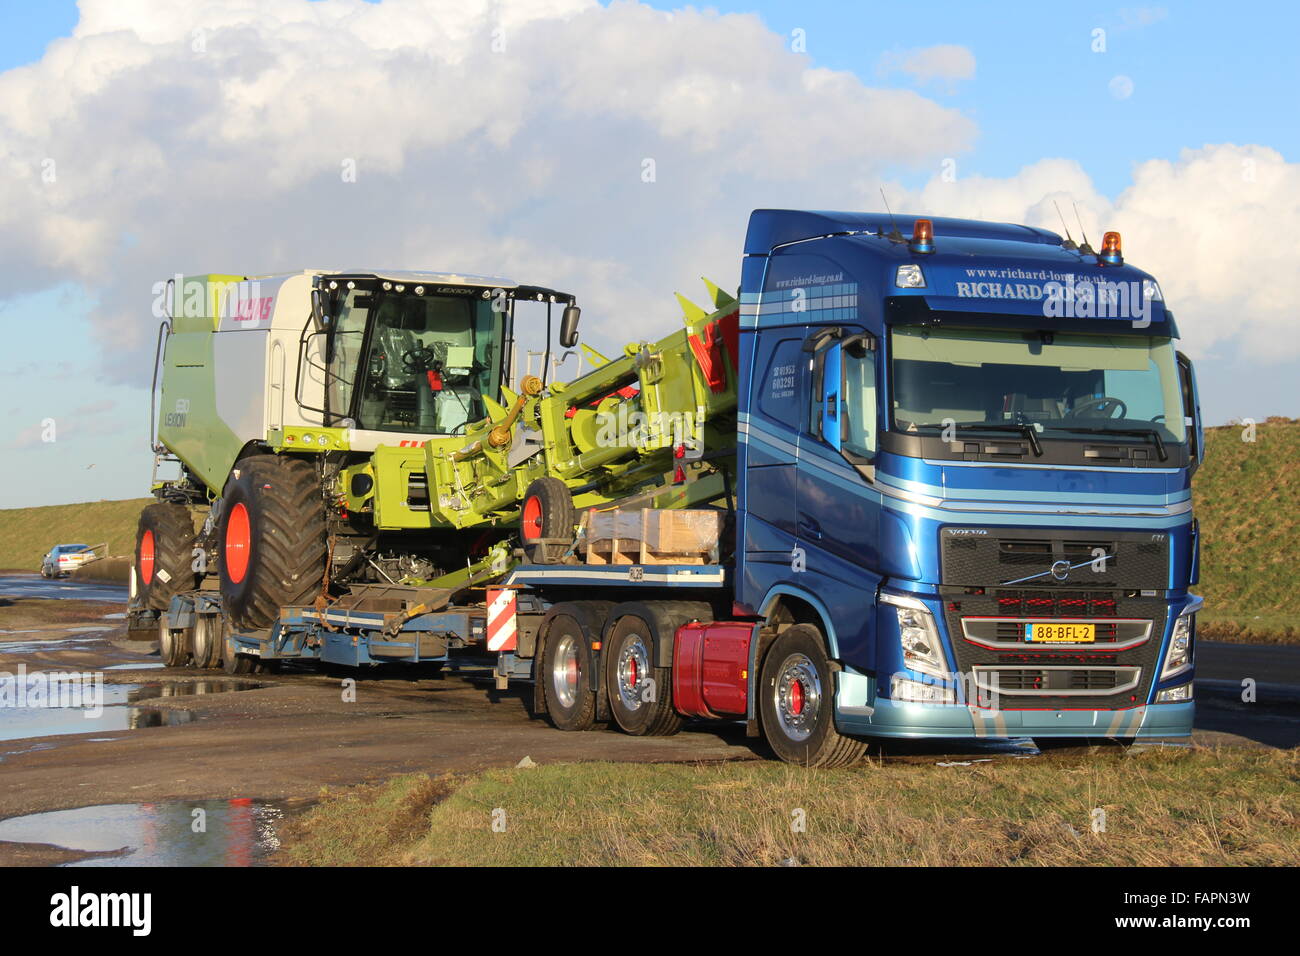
(1162, 807)
(1247, 499)
(26, 534)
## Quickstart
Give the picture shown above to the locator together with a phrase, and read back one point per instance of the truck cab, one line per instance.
(965, 455)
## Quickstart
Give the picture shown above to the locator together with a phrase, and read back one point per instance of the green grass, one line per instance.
(1247, 499)
(1162, 807)
(26, 534)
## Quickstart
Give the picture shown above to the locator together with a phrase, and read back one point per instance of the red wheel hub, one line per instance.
(146, 557)
(532, 518)
(632, 676)
(796, 698)
(238, 543)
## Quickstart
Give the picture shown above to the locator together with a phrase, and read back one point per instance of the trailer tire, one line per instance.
(546, 514)
(173, 643)
(796, 702)
(639, 690)
(272, 539)
(209, 640)
(164, 554)
(568, 682)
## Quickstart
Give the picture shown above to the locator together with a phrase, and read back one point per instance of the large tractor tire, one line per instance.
(796, 702)
(546, 521)
(272, 539)
(164, 555)
(640, 692)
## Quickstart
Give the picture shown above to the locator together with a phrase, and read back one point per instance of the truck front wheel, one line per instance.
(797, 702)
(272, 539)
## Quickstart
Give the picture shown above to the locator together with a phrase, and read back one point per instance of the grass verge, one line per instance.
(1162, 807)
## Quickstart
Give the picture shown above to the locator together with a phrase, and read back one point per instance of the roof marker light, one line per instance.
(1112, 253)
(922, 236)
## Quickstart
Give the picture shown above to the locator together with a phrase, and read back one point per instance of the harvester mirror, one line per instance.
(320, 307)
(569, 326)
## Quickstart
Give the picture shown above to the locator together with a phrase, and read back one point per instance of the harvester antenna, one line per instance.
(894, 234)
(1086, 249)
(1069, 239)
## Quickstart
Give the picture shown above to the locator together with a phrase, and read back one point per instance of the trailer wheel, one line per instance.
(568, 682)
(209, 641)
(272, 535)
(164, 554)
(796, 702)
(547, 512)
(640, 693)
(173, 643)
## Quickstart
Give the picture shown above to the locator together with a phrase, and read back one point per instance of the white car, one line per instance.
(64, 558)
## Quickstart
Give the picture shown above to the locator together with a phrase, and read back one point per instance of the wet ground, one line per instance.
(122, 783)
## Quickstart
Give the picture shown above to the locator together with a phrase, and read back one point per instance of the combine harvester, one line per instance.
(925, 487)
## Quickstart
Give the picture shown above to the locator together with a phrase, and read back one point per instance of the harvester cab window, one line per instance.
(428, 360)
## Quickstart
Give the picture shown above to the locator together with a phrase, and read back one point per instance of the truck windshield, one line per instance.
(414, 363)
(1065, 385)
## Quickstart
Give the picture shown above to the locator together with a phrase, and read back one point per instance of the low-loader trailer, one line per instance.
(935, 485)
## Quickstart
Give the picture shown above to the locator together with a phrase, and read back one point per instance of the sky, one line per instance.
(141, 138)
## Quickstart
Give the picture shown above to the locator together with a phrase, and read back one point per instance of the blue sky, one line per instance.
(1196, 74)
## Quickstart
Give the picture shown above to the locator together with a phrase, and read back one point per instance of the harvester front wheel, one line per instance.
(272, 539)
(546, 521)
(164, 554)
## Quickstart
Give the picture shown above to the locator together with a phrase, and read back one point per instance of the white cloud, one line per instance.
(211, 137)
(946, 63)
(1210, 226)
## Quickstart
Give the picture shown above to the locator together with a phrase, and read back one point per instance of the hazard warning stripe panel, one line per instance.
(501, 625)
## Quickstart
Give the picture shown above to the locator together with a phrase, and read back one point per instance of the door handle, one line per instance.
(810, 528)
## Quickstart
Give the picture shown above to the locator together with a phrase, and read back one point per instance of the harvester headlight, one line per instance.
(918, 636)
(322, 441)
(1179, 656)
(419, 290)
(388, 287)
(307, 437)
(401, 288)
(909, 276)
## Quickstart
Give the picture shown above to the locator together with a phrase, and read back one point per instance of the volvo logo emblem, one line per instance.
(1060, 570)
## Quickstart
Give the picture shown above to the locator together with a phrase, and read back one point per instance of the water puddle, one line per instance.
(239, 832)
(119, 616)
(132, 667)
(120, 709)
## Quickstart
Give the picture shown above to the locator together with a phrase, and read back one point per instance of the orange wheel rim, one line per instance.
(146, 557)
(237, 544)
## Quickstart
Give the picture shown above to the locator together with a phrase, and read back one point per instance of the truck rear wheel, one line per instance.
(164, 554)
(568, 680)
(546, 521)
(272, 539)
(640, 692)
(173, 643)
(797, 702)
(208, 641)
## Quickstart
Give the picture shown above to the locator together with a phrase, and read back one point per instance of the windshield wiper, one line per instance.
(1151, 434)
(1023, 429)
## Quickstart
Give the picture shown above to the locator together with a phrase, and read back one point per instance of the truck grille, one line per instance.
(1053, 559)
(1114, 671)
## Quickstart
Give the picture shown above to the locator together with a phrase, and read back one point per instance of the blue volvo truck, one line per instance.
(960, 507)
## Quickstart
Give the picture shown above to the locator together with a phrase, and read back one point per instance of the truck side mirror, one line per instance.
(569, 326)
(1191, 409)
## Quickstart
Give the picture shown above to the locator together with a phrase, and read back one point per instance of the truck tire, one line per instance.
(568, 682)
(640, 693)
(208, 641)
(546, 512)
(272, 539)
(173, 643)
(796, 702)
(164, 554)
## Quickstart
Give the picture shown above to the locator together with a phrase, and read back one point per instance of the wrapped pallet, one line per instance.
(651, 536)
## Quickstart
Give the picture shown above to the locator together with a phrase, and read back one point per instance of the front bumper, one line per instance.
(886, 718)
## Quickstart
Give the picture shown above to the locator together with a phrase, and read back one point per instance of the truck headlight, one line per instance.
(918, 636)
(1173, 695)
(1179, 656)
(919, 692)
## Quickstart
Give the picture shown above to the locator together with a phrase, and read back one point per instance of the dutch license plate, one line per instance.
(1061, 633)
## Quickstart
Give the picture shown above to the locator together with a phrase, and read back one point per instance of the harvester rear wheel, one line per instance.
(546, 520)
(164, 554)
(272, 539)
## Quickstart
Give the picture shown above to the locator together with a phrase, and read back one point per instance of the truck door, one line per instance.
(836, 504)
(772, 437)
